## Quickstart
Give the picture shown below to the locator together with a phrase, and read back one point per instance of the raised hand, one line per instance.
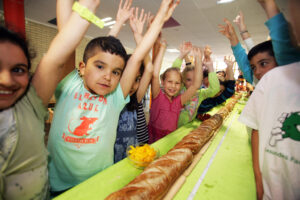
(137, 21)
(207, 53)
(125, 11)
(163, 43)
(197, 53)
(229, 61)
(228, 31)
(123, 14)
(239, 21)
(229, 70)
(167, 8)
(185, 48)
(150, 19)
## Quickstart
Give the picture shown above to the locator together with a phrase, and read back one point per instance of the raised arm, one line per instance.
(50, 70)
(123, 14)
(164, 13)
(63, 13)
(229, 70)
(207, 54)
(228, 31)
(239, 52)
(137, 22)
(155, 84)
(137, 25)
(214, 84)
(270, 7)
(198, 76)
(240, 22)
(285, 52)
(184, 49)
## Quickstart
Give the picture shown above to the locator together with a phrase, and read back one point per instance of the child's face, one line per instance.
(135, 85)
(172, 83)
(189, 78)
(102, 72)
(205, 82)
(261, 63)
(221, 73)
(14, 75)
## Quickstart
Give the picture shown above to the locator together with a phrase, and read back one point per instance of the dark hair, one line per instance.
(260, 48)
(205, 73)
(16, 39)
(164, 75)
(107, 44)
(224, 83)
(133, 103)
(222, 72)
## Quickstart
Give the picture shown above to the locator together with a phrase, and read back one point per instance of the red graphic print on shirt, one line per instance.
(84, 127)
(81, 131)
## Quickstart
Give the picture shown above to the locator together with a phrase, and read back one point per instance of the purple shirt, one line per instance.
(164, 116)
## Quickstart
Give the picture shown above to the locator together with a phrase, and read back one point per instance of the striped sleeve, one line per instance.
(141, 126)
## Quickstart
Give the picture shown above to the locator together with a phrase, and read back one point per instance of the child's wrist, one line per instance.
(242, 28)
(91, 5)
(119, 22)
(243, 31)
(87, 14)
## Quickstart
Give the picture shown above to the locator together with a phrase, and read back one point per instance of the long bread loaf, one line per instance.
(155, 180)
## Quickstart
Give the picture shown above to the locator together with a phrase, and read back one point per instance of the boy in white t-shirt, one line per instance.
(273, 112)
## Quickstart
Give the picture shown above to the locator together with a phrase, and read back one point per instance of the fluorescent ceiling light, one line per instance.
(173, 50)
(109, 23)
(224, 1)
(106, 19)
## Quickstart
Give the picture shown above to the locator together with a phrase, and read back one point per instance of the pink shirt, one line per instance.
(163, 116)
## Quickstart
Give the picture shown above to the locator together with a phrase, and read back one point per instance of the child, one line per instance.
(23, 164)
(273, 113)
(166, 106)
(85, 120)
(226, 90)
(132, 128)
(284, 52)
(189, 112)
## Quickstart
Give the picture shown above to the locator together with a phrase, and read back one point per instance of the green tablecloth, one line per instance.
(228, 176)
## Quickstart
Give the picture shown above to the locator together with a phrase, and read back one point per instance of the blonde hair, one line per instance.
(186, 70)
(164, 75)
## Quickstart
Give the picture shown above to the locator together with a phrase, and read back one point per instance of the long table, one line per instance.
(224, 172)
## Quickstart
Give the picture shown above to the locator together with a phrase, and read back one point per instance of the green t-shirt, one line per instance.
(83, 132)
(23, 155)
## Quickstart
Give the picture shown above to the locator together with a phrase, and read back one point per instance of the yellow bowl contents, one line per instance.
(142, 156)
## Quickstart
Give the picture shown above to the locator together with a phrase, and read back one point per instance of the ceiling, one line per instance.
(198, 21)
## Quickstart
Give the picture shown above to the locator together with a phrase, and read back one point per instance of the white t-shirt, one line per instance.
(274, 110)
